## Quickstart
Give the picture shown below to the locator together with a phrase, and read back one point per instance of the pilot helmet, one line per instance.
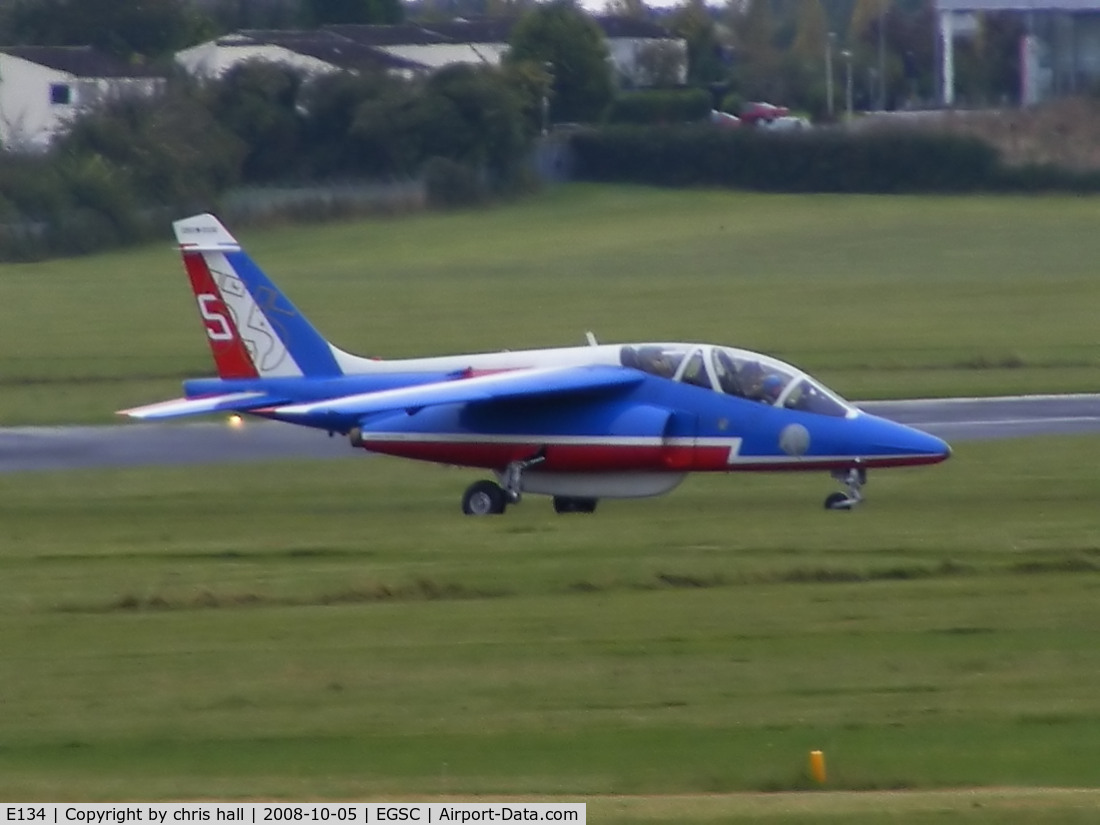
(773, 386)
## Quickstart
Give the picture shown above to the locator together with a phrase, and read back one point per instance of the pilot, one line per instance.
(663, 366)
(771, 388)
(726, 371)
(695, 373)
(751, 377)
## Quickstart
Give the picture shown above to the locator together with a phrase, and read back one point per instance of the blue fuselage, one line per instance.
(655, 425)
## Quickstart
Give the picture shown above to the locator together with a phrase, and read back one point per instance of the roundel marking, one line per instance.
(794, 439)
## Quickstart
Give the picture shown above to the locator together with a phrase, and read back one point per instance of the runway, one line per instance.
(26, 449)
(979, 419)
(132, 445)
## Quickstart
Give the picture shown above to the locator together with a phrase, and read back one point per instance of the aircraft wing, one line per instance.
(513, 385)
(178, 407)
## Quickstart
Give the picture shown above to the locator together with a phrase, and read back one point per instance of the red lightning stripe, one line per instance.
(229, 351)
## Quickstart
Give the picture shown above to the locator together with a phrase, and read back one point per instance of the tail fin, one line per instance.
(253, 329)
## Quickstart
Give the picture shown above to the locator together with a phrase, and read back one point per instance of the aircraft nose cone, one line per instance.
(892, 438)
(945, 448)
(936, 446)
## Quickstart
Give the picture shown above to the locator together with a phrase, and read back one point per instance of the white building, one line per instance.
(1059, 52)
(640, 50)
(409, 49)
(477, 42)
(43, 87)
(312, 52)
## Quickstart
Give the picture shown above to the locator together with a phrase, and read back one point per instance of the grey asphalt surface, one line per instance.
(123, 445)
(25, 449)
(979, 419)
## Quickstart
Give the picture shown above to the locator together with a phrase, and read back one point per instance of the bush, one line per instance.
(81, 230)
(94, 186)
(1046, 178)
(169, 147)
(32, 185)
(257, 101)
(660, 107)
(813, 161)
(126, 168)
(451, 184)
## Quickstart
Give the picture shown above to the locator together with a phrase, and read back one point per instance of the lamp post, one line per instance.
(548, 67)
(830, 41)
(847, 55)
(881, 56)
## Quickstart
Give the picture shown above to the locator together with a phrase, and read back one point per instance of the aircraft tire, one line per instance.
(568, 504)
(484, 498)
(837, 501)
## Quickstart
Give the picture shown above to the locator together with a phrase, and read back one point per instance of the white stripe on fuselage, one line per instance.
(487, 361)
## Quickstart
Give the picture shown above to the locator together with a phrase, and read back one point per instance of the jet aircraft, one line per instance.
(577, 424)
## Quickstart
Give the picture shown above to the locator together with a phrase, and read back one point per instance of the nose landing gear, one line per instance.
(853, 478)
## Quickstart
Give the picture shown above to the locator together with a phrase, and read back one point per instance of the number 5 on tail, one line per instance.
(217, 326)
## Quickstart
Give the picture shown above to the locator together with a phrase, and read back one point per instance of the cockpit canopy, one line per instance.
(737, 372)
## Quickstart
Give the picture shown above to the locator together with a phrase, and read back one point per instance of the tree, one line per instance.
(754, 29)
(756, 57)
(478, 119)
(866, 15)
(470, 115)
(659, 64)
(531, 84)
(811, 31)
(151, 28)
(321, 12)
(330, 104)
(169, 148)
(255, 14)
(758, 64)
(987, 65)
(388, 132)
(562, 35)
(805, 61)
(693, 22)
(258, 102)
(633, 9)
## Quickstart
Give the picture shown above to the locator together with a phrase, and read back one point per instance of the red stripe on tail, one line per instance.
(229, 351)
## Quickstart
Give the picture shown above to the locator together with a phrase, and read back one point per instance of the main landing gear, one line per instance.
(484, 498)
(569, 504)
(853, 478)
(487, 498)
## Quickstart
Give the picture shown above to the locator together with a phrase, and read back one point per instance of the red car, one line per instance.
(754, 113)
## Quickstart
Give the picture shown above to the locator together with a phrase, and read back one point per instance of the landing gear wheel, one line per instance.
(568, 504)
(484, 498)
(853, 478)
(838, 501)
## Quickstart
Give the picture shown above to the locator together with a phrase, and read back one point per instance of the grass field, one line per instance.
(879, 296)
(335, 630)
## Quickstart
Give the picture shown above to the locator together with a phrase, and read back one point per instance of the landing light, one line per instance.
(235, 422)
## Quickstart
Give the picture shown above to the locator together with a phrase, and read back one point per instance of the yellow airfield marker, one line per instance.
(817, 766)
